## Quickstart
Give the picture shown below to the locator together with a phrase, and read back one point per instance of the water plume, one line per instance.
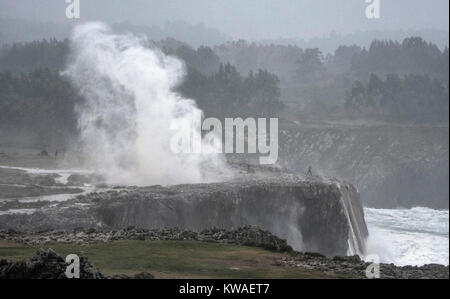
(129, 108)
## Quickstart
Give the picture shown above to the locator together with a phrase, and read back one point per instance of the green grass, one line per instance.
(174, 259)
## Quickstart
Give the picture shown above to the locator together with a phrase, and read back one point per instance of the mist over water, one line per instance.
(130, 110)
(415, 236)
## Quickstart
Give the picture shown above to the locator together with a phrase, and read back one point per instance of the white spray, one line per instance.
(125, 121)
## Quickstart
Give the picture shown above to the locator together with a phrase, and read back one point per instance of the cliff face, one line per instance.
(391, 165)
(325, 217)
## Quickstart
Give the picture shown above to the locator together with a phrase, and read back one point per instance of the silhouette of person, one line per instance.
(309, 173)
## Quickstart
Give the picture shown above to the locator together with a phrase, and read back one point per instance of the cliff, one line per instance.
(324, 217)
(391, 165)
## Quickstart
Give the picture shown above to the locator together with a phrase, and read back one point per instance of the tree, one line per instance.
(310, 66)
(264, 98)
(40, 103)
(414, 98)
(228, 94)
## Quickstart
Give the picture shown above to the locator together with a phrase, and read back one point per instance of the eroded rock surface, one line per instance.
(46, 264)
(354, 267)
(315, 215)
(248, 236)
(392, 165)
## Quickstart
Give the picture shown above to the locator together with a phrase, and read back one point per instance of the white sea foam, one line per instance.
(130, 111)
(415, 236)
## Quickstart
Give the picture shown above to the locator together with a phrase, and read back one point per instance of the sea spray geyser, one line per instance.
(128, 110)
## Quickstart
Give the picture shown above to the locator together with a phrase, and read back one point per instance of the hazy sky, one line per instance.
(254, 19)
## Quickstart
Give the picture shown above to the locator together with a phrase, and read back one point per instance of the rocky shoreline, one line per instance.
(248, 236)
(317, 214)
(345, 267)
(354, 267)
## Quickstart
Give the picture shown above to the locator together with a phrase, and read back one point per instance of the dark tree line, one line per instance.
(318, 83)
(409, 82)
(39, 104)
(35, 100)
(26, 57)
(412, 56)
(53, 54)
(293, 65)
(416, 98)
(229, 94)
(203, 59)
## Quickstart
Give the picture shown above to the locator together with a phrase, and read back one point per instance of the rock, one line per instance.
(309, 215)
(354, 267)
(143, 275)
(389, 156)
(249, 236)
(353, 259)
(46, 264)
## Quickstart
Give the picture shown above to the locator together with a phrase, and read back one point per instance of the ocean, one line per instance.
(414, 236)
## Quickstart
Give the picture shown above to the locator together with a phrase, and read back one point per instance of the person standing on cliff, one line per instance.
(309, 173)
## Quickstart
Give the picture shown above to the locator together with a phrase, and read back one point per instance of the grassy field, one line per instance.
(174, 259)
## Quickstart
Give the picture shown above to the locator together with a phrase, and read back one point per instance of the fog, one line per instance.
(364, 100)
(155, 112)
(249, 19)
(126, 120)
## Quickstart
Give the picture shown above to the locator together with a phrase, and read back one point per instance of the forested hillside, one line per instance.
(389, 81)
